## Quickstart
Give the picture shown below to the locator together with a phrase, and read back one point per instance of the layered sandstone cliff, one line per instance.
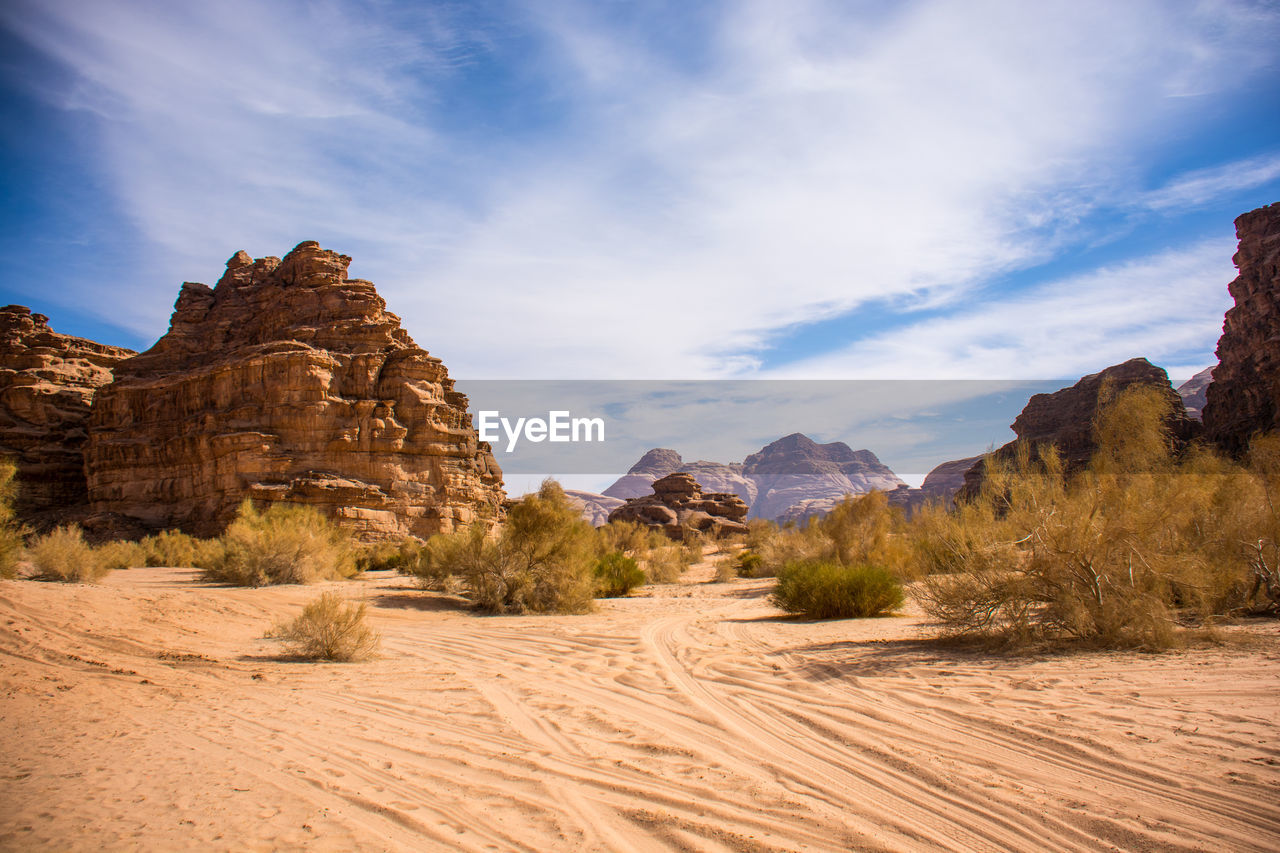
(47, 382)
(288, 382)
(1244, 398)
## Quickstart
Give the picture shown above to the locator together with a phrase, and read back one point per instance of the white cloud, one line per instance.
(1203, 185)
(811, 159)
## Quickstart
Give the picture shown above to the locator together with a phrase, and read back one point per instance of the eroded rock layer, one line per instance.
(678, 504)
(289, 382)
(47, 382)
(1244, 398)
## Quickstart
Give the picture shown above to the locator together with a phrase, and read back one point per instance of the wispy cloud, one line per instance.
(551, 190)
(1203, 185)
(1159, 308)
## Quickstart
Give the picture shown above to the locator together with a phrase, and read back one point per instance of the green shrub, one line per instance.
(285, 544)
(661, 560)
(11, 533)
(330, 628)
(825, 589)
(748, 563)
(616, 575)
(63, 555)
(540, 560)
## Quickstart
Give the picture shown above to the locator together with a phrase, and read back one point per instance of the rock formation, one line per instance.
(1244, 398)
(796, 468)
(288, 382)
(678, 504)
(47, 382)
(1193, 393)
(1065, 418)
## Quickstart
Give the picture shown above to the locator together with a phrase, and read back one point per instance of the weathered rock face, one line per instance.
(47, 382)
(678, 504)
(1193, 393)
(1244, 398)
(723, 478)
(796, 468)
(1065, 418)
(289, 382)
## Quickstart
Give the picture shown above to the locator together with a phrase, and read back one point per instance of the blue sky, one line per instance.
(658, 190)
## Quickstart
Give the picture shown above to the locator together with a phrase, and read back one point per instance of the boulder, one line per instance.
(47, 383)
(288, 382)
(678, 504)
(1244, 398)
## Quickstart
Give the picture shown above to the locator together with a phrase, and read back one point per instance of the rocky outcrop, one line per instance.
(289, 382)
(595, 508)
(723, 478)
(1065, 418)
(678, 505)
(47, 382)
(639, 479)
(796, 468)
(1244, 399)
(1194, 393)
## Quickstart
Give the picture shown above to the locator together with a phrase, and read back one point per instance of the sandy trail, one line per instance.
(148, 713)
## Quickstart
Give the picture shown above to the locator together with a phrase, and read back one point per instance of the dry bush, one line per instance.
(330, 628)
(727, 567)
(122, 554)
(827, 589)
(388, 554)
(747, 564)
(63, 555)
(11, 533)
(174, 549)
(662, 560)
(616, 575)
(859, 530)
(1115, 555)
(285, 544)
(541, 559)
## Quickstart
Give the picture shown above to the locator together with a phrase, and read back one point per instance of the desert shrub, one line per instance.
(11, 533)
(726, 567)
(172, 548)
(387, 554)
(662, 560)
(63, 555)
(759, 531)
(826, 589)
(1116, 554)
(540, 560)
(617, 574)
(121, 554)
(747, 563)
(860, 529)
(285, 544)
(330, 628)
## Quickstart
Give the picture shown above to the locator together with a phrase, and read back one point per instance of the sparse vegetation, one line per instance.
(661, 560)
(284, 544)
(11, 533)
(1117, 554)
(175, 549)
(540, 560)
(827, 589)
(617, 574)
(330, 628)
(121, 554)
(63, 555)
(747, 564)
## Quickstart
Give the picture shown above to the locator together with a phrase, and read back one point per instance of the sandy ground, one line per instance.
(148, 713)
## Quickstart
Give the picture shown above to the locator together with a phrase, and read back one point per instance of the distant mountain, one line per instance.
(793, 471)
(595, 508)
(1194, 391)
(795, 468)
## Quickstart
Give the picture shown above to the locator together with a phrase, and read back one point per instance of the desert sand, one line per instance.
(148, 713)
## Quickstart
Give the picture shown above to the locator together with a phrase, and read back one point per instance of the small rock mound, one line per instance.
(678, 504)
